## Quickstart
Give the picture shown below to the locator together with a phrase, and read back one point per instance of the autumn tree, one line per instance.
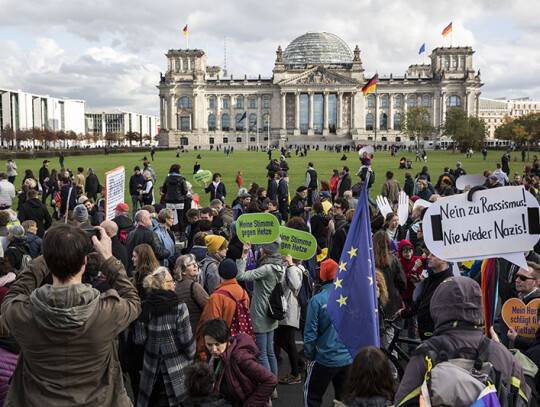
(467, 131)
(417, 123)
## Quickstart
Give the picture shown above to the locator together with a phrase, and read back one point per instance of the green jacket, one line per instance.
(264, 278)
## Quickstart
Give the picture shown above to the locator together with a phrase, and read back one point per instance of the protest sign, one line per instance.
(300, 245)
(202, 176)
(115, 185)
(257, 228)
(366, 149)
(520, 317)
(499, 222)
(469, 181)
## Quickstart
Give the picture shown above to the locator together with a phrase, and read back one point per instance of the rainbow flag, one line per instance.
(370, 86)
(447, 30)
(488, 398)
(185, 29)
(490, 289)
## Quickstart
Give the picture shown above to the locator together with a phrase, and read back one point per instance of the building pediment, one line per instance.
(318, 76)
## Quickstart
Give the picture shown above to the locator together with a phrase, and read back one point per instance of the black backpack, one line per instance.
(277, 303)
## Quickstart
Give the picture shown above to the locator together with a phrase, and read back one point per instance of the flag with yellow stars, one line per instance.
(352, 304)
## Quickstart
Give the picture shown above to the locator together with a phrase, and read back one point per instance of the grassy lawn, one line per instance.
(253, 166)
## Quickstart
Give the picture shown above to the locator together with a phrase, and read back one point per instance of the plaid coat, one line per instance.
(169, 347)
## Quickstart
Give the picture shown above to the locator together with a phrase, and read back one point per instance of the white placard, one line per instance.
(115, 186)
(366, 149)
(470, 181)
(499, 222)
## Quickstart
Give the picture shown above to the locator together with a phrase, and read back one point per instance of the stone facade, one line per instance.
(313, 102)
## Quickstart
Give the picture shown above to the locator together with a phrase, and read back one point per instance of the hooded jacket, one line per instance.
(34, 244)
(407, 266)
(249, 382)
(66, 334)
(457, 311)
(174, 188)
(34, 210)
(15, 252)
(9, 354)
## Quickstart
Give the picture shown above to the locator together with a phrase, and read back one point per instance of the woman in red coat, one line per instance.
(240, 379)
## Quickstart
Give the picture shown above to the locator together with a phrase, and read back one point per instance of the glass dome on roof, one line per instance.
(317, 48)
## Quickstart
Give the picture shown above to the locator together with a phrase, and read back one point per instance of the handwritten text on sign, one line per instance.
(499, 222)
(520, 317)
(257, 228)
(115, 184)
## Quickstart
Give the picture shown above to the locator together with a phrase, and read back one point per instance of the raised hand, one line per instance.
(403, 208)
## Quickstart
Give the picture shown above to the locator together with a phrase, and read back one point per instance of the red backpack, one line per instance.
(241, 322)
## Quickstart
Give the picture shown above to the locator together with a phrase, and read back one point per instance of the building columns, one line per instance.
(339, 113)
(297, 114)
(310, 114)
(325, 114)
(283, 111)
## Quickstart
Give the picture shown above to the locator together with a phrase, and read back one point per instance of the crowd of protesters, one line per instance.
(163, 305)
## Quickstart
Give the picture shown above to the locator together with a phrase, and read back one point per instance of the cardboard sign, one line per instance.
(520, 317)
(469, 181)
(202, 176)
(115, 185)
(257, 228)
(366, 149)
(300, 245)
(499, 222)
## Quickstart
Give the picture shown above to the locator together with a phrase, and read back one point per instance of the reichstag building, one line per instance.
(313, 97)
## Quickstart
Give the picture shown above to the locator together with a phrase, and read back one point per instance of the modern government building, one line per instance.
(314, 96)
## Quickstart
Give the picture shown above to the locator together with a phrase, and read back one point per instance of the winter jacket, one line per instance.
(209, 275)
(396, 285)
(64, 193)
(421, 306)
(15, 252)
(174, 188)
(11, 169)
(390, 190)
(191, 293)
(407, 267)
(345, 184)
(235, 248)
(124, 224)
(34, 244)
(169, 348)
(199, 252)
(282, 191)
(135, 183)
(457, 311)
(7, 193)
(272, 190)
(34, 210)
(9, 354)
(291, 288)
(320, 336)
(216, 193)
(264, 276)
(119, 251)
(408, 187)
(250, 384)
(96, 216)
(319, 228)
(226, 216)
(507, 275)
(92, 184)
(166, 240)
(297, 206)
(144, 235)
(219, 306)
(66, 335)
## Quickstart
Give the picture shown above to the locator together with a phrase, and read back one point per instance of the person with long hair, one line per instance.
(169, 347)
(370, 382)
(393, 229)
(262, 199)
(188, 289)
(28, 174)
(145, 262)
(334, 183)
(390, 267)
(253, 188)
(54, 189)
(319, 224)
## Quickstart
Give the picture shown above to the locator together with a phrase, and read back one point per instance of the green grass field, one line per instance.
(253, 166)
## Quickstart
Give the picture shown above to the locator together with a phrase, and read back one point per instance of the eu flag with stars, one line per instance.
(243, 117)
(352, 304)
(422, 48)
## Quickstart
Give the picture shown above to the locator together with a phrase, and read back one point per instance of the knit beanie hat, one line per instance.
(213, 242)
(227, 269)
(328, 270)
(80, 214)
(271, 248)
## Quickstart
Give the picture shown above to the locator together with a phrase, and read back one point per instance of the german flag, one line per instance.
(370, 86)
(185, 29)
(447, 30)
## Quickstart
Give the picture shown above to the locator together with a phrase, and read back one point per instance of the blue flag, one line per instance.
(243, 117)
(352, 304)
(422, 48)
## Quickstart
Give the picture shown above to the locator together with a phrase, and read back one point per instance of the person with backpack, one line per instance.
(266, 308)
(456, 308)
(285, 336)
(17, 251)
(229, 302)
(330, 360)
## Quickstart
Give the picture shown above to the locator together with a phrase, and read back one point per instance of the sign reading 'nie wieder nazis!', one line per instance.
(300, 245)
(500, 222)
(202, 176)
(257, 228)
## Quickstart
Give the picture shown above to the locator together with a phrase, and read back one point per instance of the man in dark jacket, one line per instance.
(311, 182)
(17, 248)
(122, 220)
(271, 191)
(33, 209)
(283, 165)
(33, 240)
(96, 216)
(67, 193)
(439, 271)
(143, 234)
(298, 203)
(456, 308)
(92, 185)
(345, 183)
(43, 179)
(175, 190)
(119, 251)
(283, 196)
(136, 183)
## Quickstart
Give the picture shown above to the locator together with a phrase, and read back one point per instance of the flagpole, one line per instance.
(247, 137)
(268, 119)
(375, 121)
(187, 40)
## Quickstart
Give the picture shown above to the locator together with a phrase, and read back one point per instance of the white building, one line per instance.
(22, 110)
(122, 122)
(496, 112)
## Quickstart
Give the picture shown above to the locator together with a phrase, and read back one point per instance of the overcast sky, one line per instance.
(110, 53)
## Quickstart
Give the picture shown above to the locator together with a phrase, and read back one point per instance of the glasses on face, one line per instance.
(337, 207)
(524, 278)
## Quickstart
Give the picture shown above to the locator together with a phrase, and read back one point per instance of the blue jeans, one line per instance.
(134, 201)
(265, 343)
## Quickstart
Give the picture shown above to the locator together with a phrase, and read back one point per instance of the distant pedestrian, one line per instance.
(61, 159)
(152, 152)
